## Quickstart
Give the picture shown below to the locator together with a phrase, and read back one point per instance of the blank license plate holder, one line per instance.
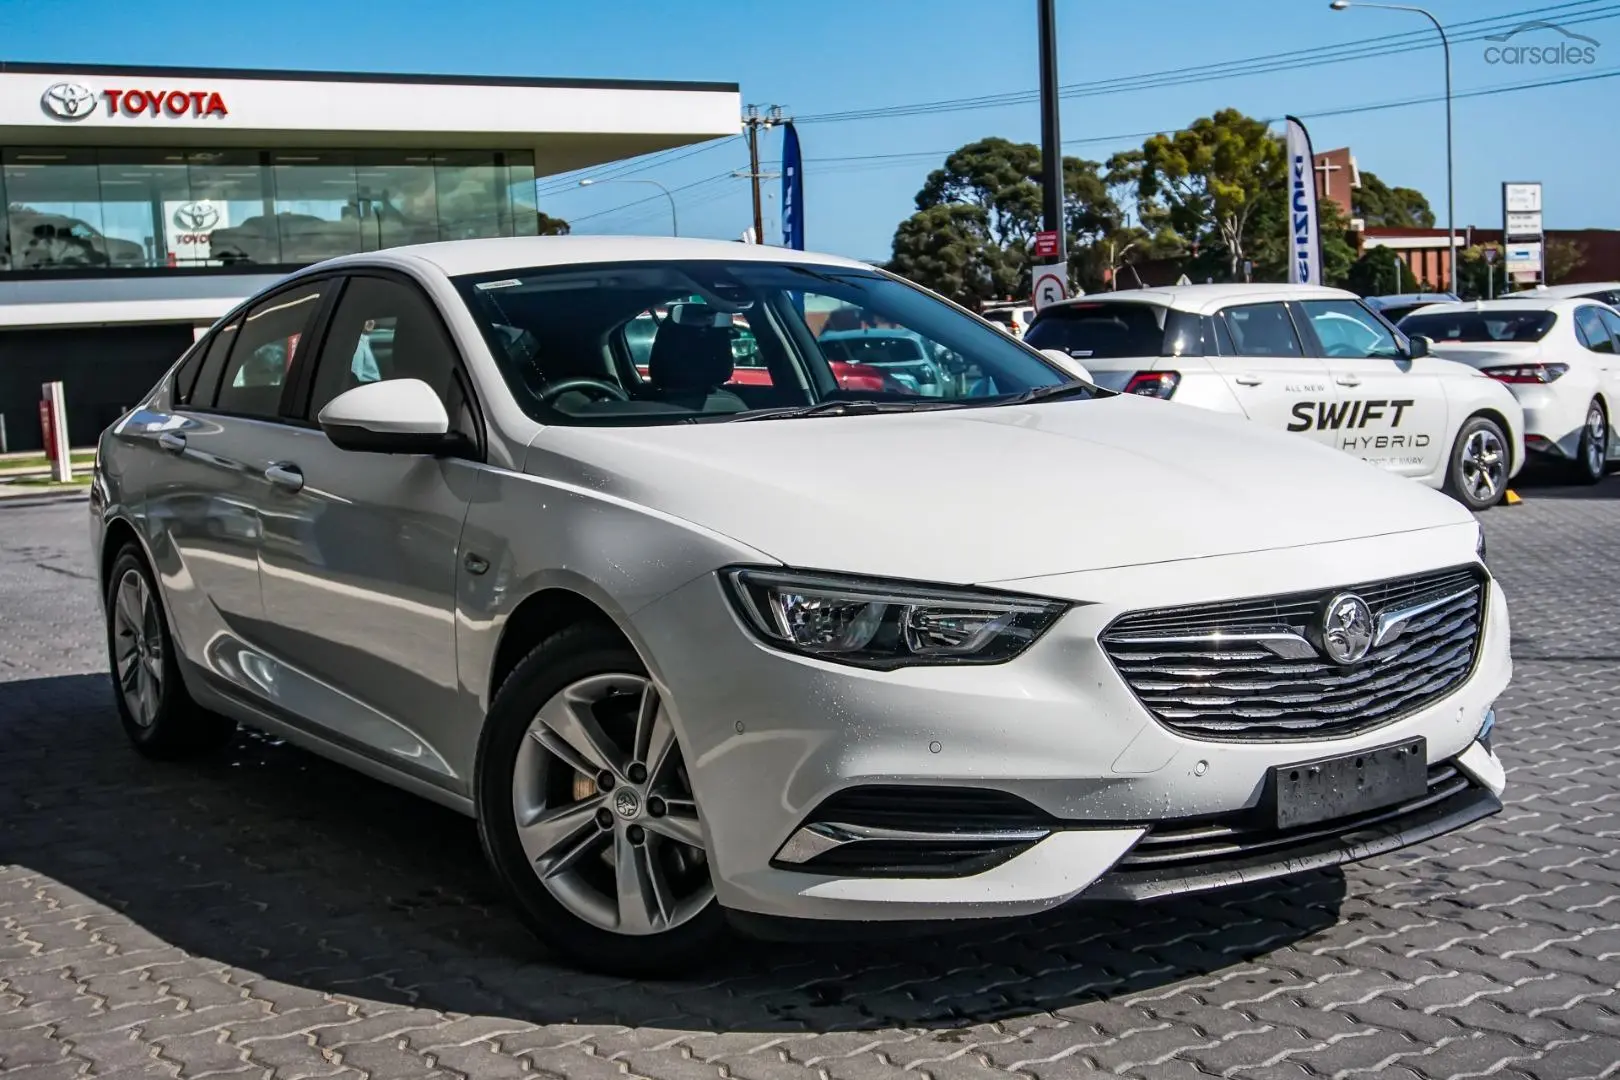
(1350, 784)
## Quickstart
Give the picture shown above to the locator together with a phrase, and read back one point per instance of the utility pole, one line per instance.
(754, 120)
(1051, 134)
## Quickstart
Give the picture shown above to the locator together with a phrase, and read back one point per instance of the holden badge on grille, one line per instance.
(1347, 628)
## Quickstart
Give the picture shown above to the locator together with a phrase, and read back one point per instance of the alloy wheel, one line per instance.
(138, 647)
(604, 808)
(1484, 464)
(1597, 440)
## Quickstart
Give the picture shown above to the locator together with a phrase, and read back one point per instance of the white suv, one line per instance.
(695, 650)
(1314, 361)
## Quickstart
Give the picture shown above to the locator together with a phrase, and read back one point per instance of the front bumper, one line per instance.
(769, 737)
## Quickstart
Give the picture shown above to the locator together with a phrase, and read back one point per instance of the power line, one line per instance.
(727, 175)
(856, 162)
(1384, 45)
(555, 185)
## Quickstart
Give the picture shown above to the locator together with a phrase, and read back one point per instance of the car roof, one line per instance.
(1510, 303)
(1576, 289)
(1206, 298)
(493, 255)
(1399, 299)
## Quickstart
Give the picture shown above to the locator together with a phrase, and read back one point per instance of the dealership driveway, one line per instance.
(269, 914)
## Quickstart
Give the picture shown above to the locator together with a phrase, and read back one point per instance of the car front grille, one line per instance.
(1244, 670)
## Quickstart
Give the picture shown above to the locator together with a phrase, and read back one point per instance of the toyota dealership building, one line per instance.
(138, 204)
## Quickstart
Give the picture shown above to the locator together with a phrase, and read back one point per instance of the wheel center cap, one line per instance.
(627, 803)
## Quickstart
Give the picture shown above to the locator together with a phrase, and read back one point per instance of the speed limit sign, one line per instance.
(1050, 284)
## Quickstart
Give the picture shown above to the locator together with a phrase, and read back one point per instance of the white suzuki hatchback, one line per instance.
(1314, 361)
(699, 646)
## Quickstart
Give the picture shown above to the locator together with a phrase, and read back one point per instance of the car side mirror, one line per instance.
(1419, 345)
(399, 416)
(1068, 364)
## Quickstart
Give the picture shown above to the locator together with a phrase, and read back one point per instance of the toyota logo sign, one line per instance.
(196, 216)
(69, 101)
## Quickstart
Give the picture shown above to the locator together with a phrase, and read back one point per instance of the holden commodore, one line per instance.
(785, 656)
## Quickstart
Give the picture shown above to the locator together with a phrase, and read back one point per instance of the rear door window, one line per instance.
(1100, 331)
(1480, 326)
(200, 395)
(267, 347)
(1593, 334)
(1262, 330)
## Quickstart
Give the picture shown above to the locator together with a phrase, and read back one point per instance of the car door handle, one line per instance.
(1248, 380)
(172, 442)
(1347, 380)
(285, 475)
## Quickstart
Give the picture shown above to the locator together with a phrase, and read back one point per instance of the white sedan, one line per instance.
(697, 653)
(1561, 359)
(1314, 361)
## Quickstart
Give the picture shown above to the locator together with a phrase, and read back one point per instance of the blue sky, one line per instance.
(839, 55)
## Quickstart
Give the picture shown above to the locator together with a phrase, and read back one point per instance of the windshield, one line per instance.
(1100, 331)
(1480, 326)
(667, 342)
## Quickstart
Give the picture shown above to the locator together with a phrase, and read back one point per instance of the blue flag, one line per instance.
(792, 189)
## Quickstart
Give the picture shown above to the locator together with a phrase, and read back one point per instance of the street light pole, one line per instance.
(674, 226)
(1451, 205)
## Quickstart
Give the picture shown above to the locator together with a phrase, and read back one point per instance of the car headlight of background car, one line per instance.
(876, 624)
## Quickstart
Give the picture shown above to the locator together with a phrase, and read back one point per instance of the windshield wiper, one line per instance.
(1049, 393)
(843, 408)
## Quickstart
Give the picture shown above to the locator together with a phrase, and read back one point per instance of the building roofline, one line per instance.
(271, 74)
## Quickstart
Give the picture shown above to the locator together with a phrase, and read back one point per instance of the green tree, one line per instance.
(1210, 180)
(948, 248)
(978, 213)
(1273, 240)
(1382, 206)
(1375, 273)
(1561, 259)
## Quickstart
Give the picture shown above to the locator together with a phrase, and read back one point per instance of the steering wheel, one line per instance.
(607, 391)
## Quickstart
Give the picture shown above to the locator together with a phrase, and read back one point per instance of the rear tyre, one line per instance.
(1478, 473)
(159, 716)
(586, 812)
(1591, 457)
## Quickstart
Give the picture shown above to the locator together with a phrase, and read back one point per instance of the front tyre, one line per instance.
(158, 715)
(586, 811)
(1477, 475)
(1591, 457)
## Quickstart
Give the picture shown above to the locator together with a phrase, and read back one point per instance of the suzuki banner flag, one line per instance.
(1304, 226)
(792, 189)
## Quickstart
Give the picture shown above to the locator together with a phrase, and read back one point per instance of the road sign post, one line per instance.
(1049, 284)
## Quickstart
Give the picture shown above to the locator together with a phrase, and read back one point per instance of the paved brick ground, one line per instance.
(272, 915)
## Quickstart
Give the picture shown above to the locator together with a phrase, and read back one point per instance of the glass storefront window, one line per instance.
(228, 187)
(54, 212)
(113, 208)
(469, 195)
(398, 198)
(317, 205)
(520, 183)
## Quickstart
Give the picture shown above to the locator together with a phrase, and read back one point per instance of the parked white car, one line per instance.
(780, 653)
(1314, 361)
(1607, 292)
(1013, 318)
(1558, 357)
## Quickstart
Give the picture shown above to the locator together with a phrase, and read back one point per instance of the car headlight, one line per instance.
(1479, 545)
(877, 624)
